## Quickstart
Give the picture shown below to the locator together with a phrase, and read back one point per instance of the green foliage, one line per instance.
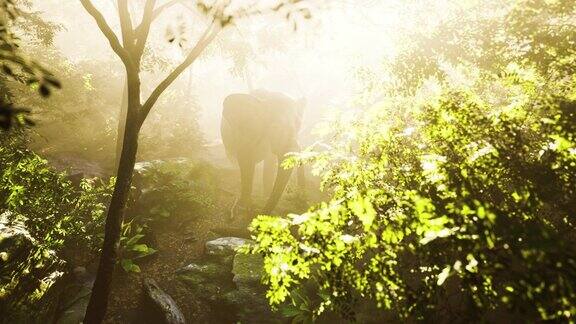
(131, 248)
(455, 203)
(175, 190)
(56, 210)
(299, 309)
(55, 214)
(490, 34)
(16, 65)
(165, 192)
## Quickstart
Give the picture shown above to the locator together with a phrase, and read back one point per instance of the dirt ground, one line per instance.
(179, 245)
(176, 248)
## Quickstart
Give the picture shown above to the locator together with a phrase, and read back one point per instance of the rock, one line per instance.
(16, 243)
(249, 299)
(225, 246)
(74, 297)
(248, 269)
(207, 280)
(207, 271)
(26, 282)
(230, 283)
(162, 308)
(251, 306)
(81, 275)
(74, 303)
(76, 167)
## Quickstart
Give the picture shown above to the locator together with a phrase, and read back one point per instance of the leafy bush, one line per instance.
(58, 216)
(57, 211)
(172, 191)
(451, 200)
(455, 197)
(175, 189)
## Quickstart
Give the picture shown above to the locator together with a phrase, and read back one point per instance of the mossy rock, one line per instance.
(248, 268)
(251, 306)
(209, 281)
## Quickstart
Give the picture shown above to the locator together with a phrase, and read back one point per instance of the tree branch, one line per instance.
(108, 33)
(126, 24)
(167, 5)
(143, 28)
(207, 37)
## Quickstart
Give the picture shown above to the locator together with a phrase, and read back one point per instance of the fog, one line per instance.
(318, 60)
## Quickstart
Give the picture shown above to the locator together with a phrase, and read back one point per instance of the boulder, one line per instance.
(76, 167)
(230, 283)
(74, 297)
(208, 271)
(225, 246)
(16, 243)
(249, 297)
(74, 303)
(160, 306)
(248, 269)
(26, 281)
(208, 280)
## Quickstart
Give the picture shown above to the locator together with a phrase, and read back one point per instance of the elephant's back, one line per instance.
(241, 109)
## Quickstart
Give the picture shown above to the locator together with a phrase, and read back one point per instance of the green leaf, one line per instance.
(129, 266)
(290, 311)
(443, 275)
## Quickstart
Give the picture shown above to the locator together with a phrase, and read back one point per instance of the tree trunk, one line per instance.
(101, 290)
(102, 286)
(121, 125)
(131, 54)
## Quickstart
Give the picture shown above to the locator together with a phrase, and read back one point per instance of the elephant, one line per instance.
(254, 128)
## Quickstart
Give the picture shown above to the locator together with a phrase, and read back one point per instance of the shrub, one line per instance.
(56, 216)
(455, 207)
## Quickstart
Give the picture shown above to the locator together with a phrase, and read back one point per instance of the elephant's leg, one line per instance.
(282, 177)
(246, 179)
(269, 171)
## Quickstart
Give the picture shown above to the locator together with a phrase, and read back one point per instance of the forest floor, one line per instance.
(176, 249)
(179, 245)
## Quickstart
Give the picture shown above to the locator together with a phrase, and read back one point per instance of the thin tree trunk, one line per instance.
(121, 126)
(101, 290)
(99, 299)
